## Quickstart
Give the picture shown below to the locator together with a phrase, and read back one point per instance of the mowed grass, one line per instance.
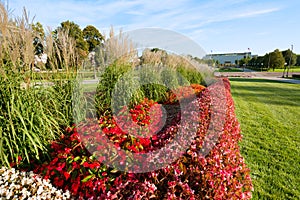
(269, 114)
(292, 70)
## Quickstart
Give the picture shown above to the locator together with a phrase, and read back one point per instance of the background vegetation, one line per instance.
(31, 116)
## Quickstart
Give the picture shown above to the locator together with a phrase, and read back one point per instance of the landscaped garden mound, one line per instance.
(80, 162)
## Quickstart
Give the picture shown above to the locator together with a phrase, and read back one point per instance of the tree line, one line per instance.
(272, 60)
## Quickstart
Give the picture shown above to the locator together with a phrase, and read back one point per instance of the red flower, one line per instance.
(68, 129)
(145, 142)
(61, 166)
(58, 182)
(95, 165)
(54, 161)
(86, 164)
(75, 186)
(172, 183)
(133, 148)
(68, 150)
(75, 165)
(154, 137)
(19, 158)
(67, 175)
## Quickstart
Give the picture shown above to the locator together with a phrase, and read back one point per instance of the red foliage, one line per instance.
(184, 92)
(221, 173)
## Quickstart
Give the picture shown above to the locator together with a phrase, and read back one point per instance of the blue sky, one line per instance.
(216, 25)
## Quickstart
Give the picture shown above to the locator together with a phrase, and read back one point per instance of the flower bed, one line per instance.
(82, 163)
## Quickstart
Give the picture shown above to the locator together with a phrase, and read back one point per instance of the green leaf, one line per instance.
(91, 171)
(88, 178)
(114, 171)
(74, 174)
(83, 160)
(76, 158)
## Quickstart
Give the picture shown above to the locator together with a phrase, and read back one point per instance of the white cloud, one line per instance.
(179, 15)
(257, 12)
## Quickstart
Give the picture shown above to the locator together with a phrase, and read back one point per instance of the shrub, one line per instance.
(192, 75)
(31, 118)
(184, 92)
(127, 85)
(106, 86)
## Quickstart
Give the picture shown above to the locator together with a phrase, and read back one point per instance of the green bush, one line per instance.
(31, 117)
(128, 86)
(191, 75)
(34, 107)
(105, 88)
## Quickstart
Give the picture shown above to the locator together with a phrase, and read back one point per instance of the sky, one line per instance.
(218, 26)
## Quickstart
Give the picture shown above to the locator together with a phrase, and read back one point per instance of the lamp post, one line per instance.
(269, 62)
(284, 70)
(287, 73)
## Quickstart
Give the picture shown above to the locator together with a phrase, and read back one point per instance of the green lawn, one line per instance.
(269, 114)
(89, 87)
(293, 69)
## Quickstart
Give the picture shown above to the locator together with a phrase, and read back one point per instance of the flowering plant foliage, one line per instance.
(219, 174)
(184, 92)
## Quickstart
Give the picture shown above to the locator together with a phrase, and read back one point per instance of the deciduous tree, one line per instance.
(290, 60)
(298, 60)
(276, 59)
(73, 30)
(289, 57)
(92, 36)
(39, 36)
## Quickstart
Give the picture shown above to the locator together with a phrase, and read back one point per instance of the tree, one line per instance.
(73, 30)
(92, 36)
(259, 62)
(244, 61)
(253, 62)
(39, 36)
(298, 60)
(276, 59)
(266, 60)
(289, 57)
(290, 60)
(236, 62)
(38, 29)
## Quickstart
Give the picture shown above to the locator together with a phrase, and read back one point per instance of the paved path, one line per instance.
(90, 81)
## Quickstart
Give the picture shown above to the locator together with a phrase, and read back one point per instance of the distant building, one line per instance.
(227, 59)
